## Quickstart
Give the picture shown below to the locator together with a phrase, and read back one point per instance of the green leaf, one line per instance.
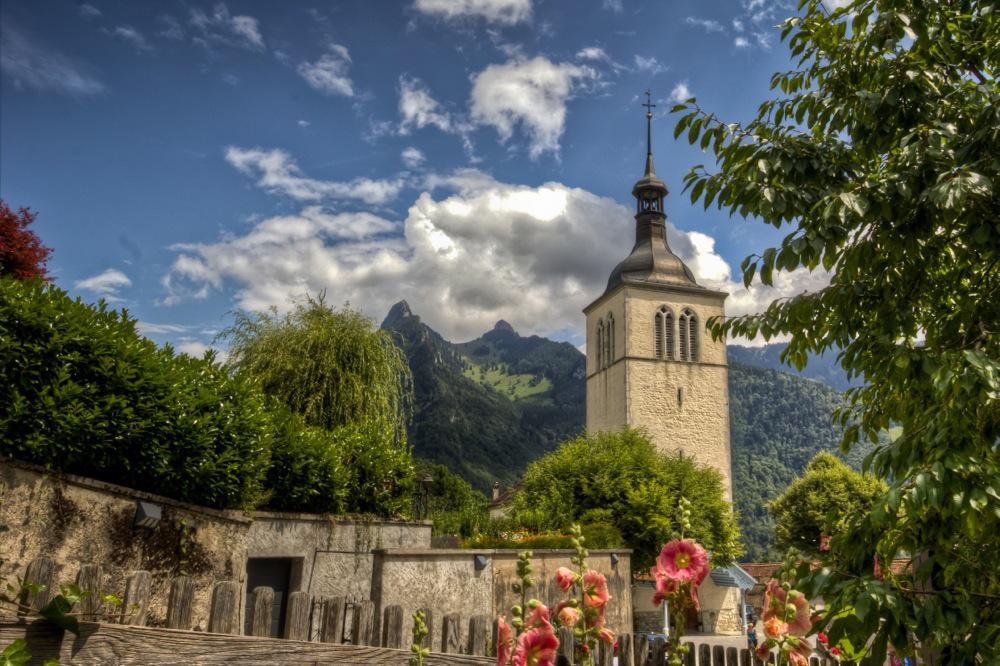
(15, 654)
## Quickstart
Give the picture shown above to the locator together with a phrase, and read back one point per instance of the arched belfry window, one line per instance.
(687, 325)
(663, 329)
(600, 344)
(609, 355)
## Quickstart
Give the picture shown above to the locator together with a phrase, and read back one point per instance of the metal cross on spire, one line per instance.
(649, 122)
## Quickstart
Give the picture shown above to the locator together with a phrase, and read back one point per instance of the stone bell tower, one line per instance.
(650, 362)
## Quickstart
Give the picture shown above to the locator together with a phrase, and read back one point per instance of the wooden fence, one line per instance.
(330, 630)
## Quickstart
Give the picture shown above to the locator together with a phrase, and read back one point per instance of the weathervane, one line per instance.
(649, 123)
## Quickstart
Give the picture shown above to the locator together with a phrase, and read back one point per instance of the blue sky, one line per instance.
(474, 157)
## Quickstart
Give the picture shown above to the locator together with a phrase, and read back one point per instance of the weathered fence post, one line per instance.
(135, 605)
(566, 647)
(704, 654)
(261, 610)
(429, 621)
(658, 649)
(690, 657)
(90, 579)
(605, 654)
(297, 616)
(477, 635)
(745, 658)
(332, 629)
(224, 614)
(718, 655)
(625, 654)
(813, 661)
(732, 656)
(364, 619)
(41, 572)
(179, 604)
(641, 650)
(392, 627)
(451, 634)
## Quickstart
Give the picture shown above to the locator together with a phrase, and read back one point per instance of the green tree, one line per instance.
(878, 153)
(621, 479)
(822, 502)
(331, 366)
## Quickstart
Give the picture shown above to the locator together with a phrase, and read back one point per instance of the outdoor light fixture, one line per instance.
(614, 559)
(480, 561)
(147, 514)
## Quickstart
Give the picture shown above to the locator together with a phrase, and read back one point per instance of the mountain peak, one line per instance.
(503, 325)
(400, 310)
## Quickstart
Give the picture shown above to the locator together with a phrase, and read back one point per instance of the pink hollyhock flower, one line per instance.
(796, 659)
(774, 627)
(682, 561)
(503, 641)
(821, 637)
(569, 616)
(835, 651)
(536, 647)
(776, 599)
(538, 617)
(824, 543)
(606, 635)
(565, 578)
(595, 589)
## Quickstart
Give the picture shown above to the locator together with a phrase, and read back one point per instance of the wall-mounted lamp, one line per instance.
(147, 515)
(480, 562)
(614, 559)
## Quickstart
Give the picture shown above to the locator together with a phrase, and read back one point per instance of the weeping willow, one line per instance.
(330, 365)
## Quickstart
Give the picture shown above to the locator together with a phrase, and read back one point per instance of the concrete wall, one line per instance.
(447, 581)
(719, 612)
(683, 406)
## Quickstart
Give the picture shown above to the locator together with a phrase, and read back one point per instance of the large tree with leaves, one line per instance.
(22, 255)
(880, 154)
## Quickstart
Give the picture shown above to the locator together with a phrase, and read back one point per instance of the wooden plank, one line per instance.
(261, 610)
(429, 621)
(451, 634)
(625, 654)
(605, 654)
(146, 646)
(746, 659)
(690, 656)
(704, 654)
(42, 572)
(813, 661)
(567, 642)
(718, 655)
(658, 650)
(641, 650)
(90, 580)
(364, 619)
(135, 604)
(224, 614)
(732, 656)
(332, 629)
(392, 627)
(297, 616)
(180, 604)
(477, 635)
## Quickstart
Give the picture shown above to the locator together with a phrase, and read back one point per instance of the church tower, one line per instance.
(650, 361)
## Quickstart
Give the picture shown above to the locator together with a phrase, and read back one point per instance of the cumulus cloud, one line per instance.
(278, 173)
(502, 12)
(303, 123)
(107, 284)
(480, 251)
(531, 94)
(30, 64)
(222, 27)
(329, 74)
(412, 157)
(419, 109)
(613, 5)
(680, 92)
(741, 42)
(650, 64)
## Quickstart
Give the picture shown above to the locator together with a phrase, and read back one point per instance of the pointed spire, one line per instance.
(650, 171)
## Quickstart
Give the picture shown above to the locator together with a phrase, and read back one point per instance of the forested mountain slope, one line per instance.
(821, 367)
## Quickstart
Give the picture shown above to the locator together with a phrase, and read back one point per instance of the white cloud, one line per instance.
(531, 94)
(613, 5)
(89, 11)
(706, 24)
(737, 25)
(129, 34)
(303, 123)
(278, 173)
(650, 64)
(503, 12)
(107, 284)
(149, 328)
(222, 27)
(680, 92)
(171, 28)
(419, 109)
(835, 4)
(329, 74)
(741, 42)
(593, 53)
(412, 157)
(30, 64)
(482, 251)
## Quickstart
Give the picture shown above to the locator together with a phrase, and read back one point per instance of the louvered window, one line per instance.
(688, 330)
(664, 332)
(609, 356)
(600, 344)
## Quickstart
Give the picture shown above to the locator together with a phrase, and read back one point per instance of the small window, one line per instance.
(688, 333)
(609, 355)
(600, 344)
(664, 332)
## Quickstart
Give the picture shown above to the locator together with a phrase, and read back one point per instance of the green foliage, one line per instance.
(331, 366)
(454, 506)
(83, 392)
(822, 502)
(879, 150)
(420, 633)
(623, 474)
(598, 535)
(15, 654)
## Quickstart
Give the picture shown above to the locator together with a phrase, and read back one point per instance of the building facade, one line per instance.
(650, 361)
